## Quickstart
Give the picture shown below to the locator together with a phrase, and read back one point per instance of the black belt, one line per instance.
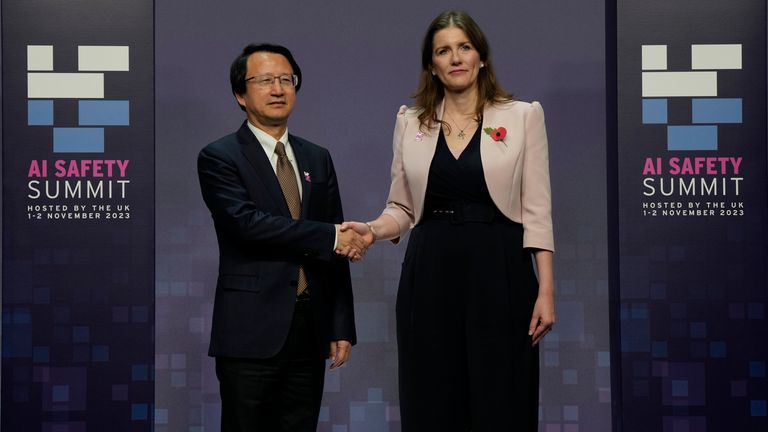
(462, 212)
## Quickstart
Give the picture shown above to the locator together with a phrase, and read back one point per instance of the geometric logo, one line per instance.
(699, 85)
(86, 85)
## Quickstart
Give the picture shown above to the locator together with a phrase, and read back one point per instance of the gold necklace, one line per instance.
(461, 134)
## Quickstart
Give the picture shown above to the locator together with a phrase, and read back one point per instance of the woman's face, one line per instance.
(455, 61)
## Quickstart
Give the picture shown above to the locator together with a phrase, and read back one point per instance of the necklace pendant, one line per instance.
(462, 135)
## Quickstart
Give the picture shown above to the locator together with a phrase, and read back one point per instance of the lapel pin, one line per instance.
(419, 136)
(497, 134)
(307, 177)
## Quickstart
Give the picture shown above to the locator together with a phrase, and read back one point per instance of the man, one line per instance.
(283, 297)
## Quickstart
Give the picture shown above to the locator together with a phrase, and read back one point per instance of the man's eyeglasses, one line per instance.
(267, 80)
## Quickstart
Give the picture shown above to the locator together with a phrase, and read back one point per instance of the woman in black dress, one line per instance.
(470, 175)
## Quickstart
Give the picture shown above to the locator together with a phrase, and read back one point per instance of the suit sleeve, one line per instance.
(399, 202)
(536, 194)
(341, 283)
(240, 217)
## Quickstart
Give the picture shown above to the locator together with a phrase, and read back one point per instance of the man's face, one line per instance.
(267, 106)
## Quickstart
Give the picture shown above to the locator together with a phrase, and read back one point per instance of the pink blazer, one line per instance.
(516, 170)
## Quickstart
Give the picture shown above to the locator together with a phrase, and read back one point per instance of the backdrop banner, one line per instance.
(692, 215)
(78, 215)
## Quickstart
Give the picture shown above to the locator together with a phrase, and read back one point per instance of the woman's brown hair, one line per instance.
(431, 90)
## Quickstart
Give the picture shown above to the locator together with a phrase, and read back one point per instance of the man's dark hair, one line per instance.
(240, 66)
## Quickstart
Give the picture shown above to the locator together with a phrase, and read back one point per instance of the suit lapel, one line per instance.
(254, 152)
(302, 162)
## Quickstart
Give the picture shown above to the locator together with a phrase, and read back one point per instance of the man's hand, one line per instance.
(361, 228)
(350, 244)
(365, 233)
(339, 353)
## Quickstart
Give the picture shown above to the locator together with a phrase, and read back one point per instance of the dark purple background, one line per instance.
(360, 62)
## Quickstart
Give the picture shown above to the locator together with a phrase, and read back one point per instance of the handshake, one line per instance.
(354, 239)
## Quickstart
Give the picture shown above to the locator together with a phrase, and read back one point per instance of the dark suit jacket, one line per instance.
(261, 247)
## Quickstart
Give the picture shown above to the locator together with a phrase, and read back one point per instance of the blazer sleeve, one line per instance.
(399, 203)
(535, 196)
(241, 219)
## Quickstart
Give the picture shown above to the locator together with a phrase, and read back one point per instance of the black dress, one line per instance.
(466, 296)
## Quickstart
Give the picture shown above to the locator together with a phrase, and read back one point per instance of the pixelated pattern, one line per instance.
(77, 299)
(690, 291)
(362, 396)
(659, 84)
(44, 86)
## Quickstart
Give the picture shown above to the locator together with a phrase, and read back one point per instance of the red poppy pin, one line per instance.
(497, 134)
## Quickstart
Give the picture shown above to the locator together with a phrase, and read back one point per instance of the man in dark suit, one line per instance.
(283, 297)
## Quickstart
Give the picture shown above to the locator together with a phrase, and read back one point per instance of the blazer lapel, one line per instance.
(490, 149)
(418, 150)
(500, 158)
(254, 152)
(302, 162)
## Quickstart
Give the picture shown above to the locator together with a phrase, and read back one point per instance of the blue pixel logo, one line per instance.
(44, 86)
(699, 85)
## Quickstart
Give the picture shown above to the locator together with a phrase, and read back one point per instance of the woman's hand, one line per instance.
(543, 317)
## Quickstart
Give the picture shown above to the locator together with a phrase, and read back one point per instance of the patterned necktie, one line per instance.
(286, 176)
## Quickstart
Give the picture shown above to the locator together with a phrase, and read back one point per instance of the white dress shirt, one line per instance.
(268, 143)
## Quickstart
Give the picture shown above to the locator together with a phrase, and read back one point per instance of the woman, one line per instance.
(470, 175)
